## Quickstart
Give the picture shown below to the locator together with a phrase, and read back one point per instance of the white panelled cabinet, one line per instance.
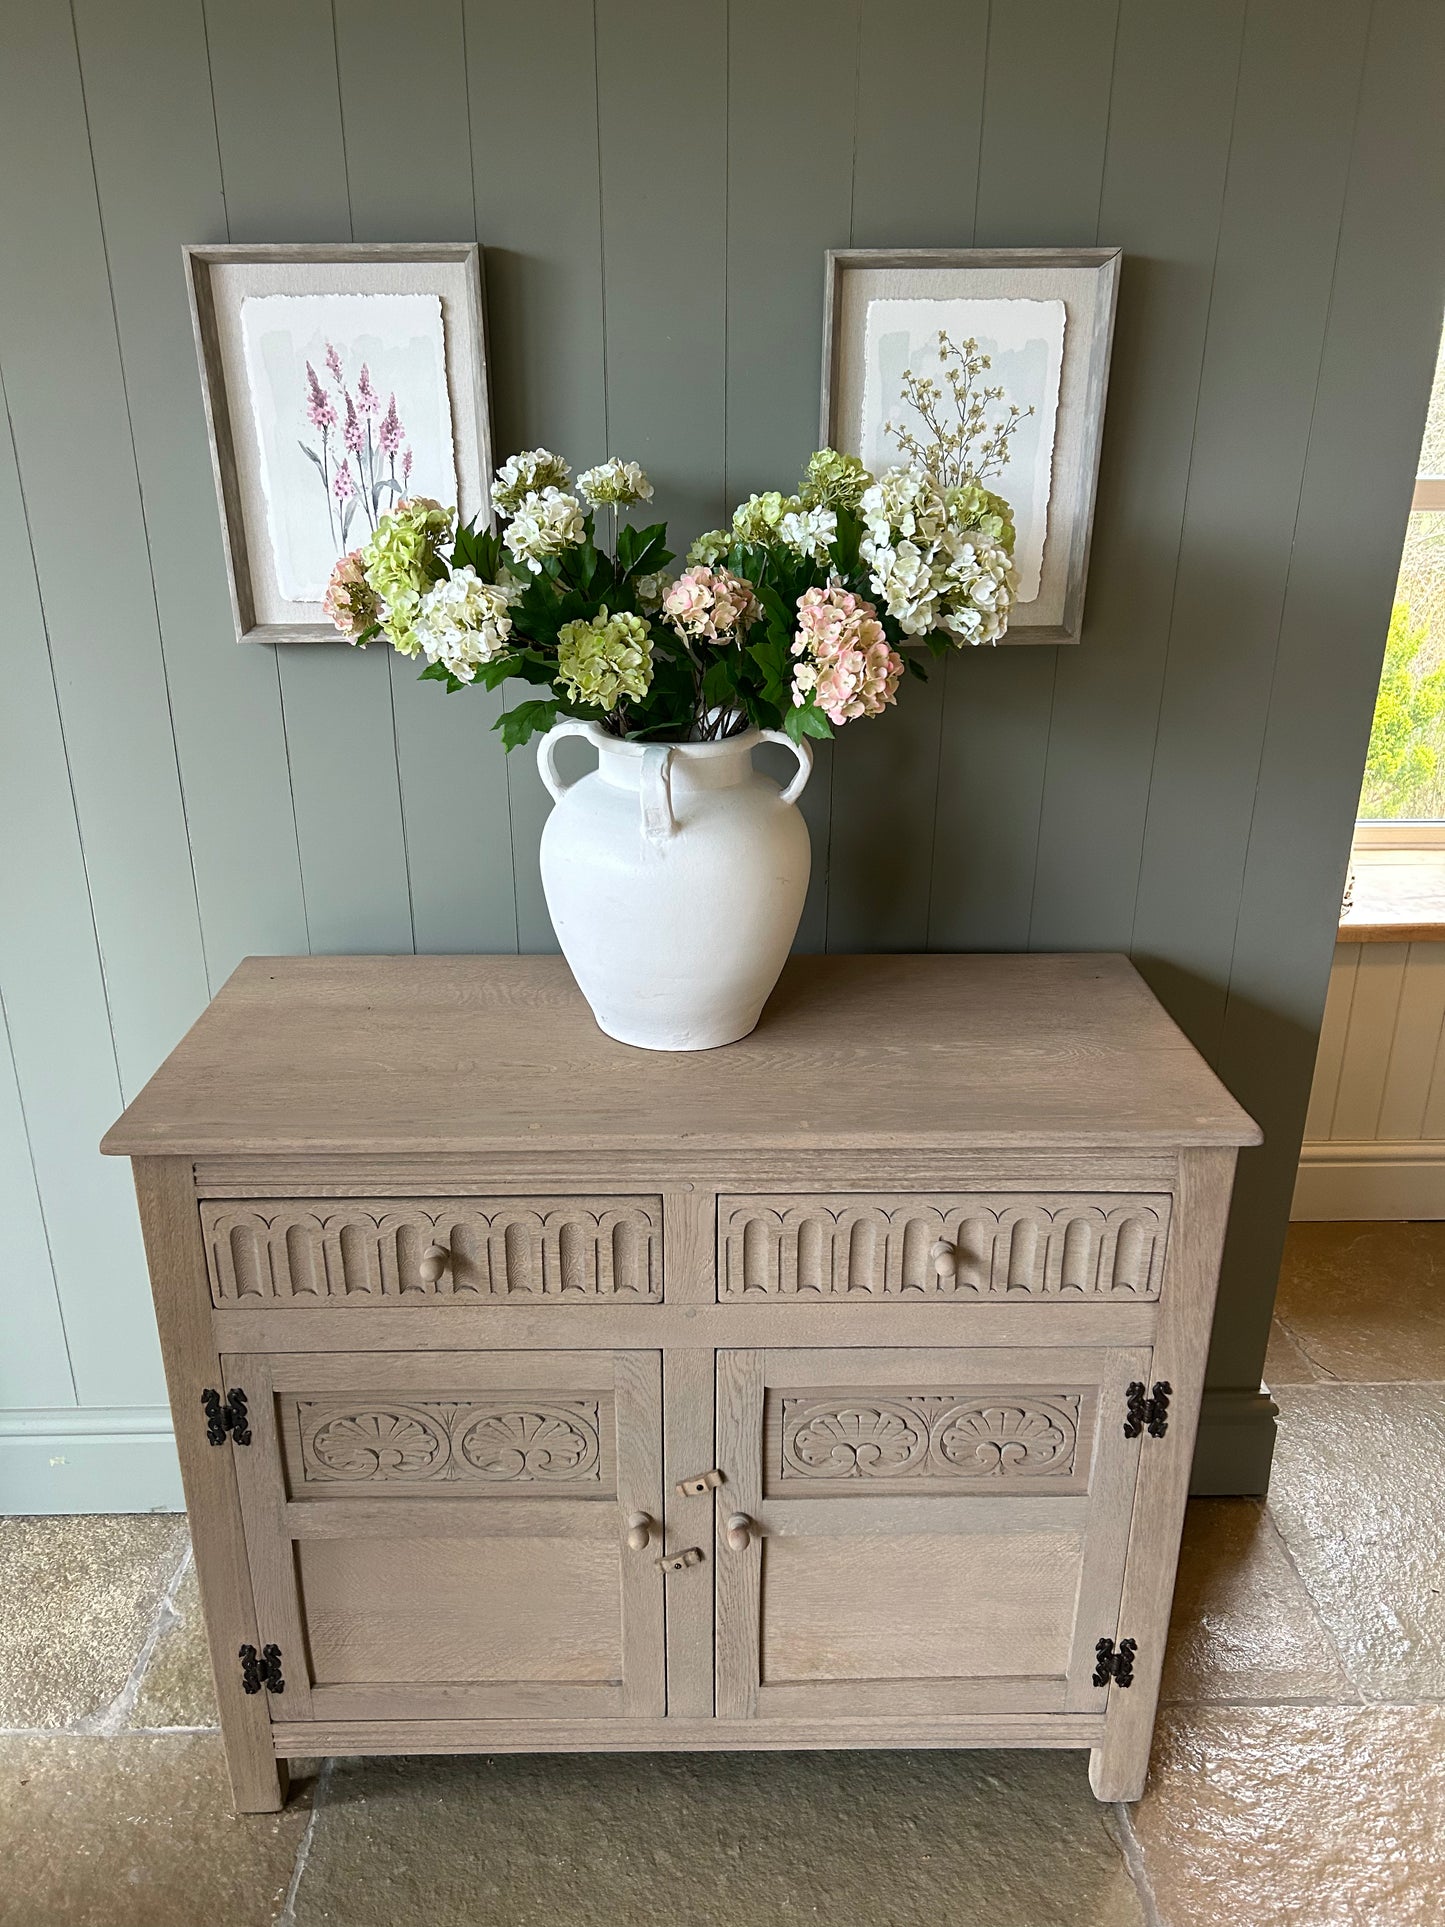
(834, 1389)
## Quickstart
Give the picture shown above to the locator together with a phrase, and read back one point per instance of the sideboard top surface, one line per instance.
(402, 1055)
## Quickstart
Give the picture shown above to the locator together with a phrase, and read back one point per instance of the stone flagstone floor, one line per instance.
(1299, 1771)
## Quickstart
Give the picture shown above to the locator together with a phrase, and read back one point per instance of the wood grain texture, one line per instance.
(178, 1267)
(1117, 1768)
(305, 1739)
(1077, 1055)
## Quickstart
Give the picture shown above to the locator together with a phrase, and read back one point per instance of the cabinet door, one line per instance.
(451, 1535)
(932, 1532)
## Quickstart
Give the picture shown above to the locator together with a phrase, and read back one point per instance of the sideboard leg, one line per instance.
(171, 1224)
(1117, 1776)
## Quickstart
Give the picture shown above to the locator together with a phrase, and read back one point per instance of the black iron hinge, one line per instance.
(1112, 1664)
(265, 1671)
(1143, 1413)
(226, 1415)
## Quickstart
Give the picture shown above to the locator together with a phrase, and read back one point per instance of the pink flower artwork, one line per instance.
(363, 473)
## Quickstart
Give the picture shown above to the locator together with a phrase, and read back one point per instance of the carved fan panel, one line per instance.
(940, 1440)
(860, 1248)
(364, 1441)
(519, 1251)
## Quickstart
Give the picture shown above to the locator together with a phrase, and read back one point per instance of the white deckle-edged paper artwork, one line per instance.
(1024, 340)
(351, 413)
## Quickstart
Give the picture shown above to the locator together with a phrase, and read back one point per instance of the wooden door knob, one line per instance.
(639, 1532)
(433, 1262)
(945, 1258)
(740, 1532)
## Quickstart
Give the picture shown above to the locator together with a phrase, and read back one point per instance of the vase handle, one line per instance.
(658, 821)
(804, 753)
(546, 754)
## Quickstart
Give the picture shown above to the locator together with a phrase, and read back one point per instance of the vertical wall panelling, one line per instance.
(1041, 167)
(144, 66)
(663, 143)
(34, 1368)
(1419, 1021)
(791, 73)
(454, 800)
(1272, 285)
(1373, 1010)
(1365, 428)
(532, 83)
(283, 167)
(1172, 104)
(1334, 1030)
(60, 1037)
(923, 125)
(77, 462)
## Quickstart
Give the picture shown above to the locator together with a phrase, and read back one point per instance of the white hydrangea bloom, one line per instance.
(527, 474)
(545, 523)
(615, 481)
(979, 582)
(808, 531)
(464, 622)
(905, 502)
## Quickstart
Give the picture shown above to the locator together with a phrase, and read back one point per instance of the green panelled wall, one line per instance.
(654, 182)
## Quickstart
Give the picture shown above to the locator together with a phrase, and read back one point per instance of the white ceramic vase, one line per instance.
(675, 874)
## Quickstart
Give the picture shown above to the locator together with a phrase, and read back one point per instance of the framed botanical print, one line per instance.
(338, 380)
(1036, 327)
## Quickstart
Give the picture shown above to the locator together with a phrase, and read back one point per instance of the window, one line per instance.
(1402, 799)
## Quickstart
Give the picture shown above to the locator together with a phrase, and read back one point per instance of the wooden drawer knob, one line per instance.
(740, 1532)
(639, 1532)
(433, 1262)
(945, 1258)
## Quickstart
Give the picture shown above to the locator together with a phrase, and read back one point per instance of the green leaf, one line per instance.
(518, 725)
(915, 668)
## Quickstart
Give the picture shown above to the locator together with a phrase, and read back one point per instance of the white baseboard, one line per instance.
(89, 1459)
(1376, 1179)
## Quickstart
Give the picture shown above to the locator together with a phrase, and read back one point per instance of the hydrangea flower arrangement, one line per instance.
(792, 618)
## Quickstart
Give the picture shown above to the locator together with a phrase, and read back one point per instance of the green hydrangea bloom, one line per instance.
(401, 563)
(710, 548)
(757, 519)
(835, 481)
(975, 507)
(606, 660)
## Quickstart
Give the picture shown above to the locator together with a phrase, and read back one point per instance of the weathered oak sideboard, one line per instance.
(834, 1389)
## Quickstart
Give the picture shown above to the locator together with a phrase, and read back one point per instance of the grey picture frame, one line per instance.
(466, 337)
(1075, 482)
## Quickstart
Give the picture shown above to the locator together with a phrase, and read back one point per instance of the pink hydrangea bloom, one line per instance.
(845, 661)
(349, 600)
(711, 605)
(320, 411)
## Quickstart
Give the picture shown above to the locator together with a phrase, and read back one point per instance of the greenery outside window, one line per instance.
(1402, 799)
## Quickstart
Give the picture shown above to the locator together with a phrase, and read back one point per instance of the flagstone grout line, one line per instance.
(1131, 1851)
(1329, 1632)
(110, 1720)
(287, 1916)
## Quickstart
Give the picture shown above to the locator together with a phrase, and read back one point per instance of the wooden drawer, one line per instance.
(860, 1246)
(275, 1253)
